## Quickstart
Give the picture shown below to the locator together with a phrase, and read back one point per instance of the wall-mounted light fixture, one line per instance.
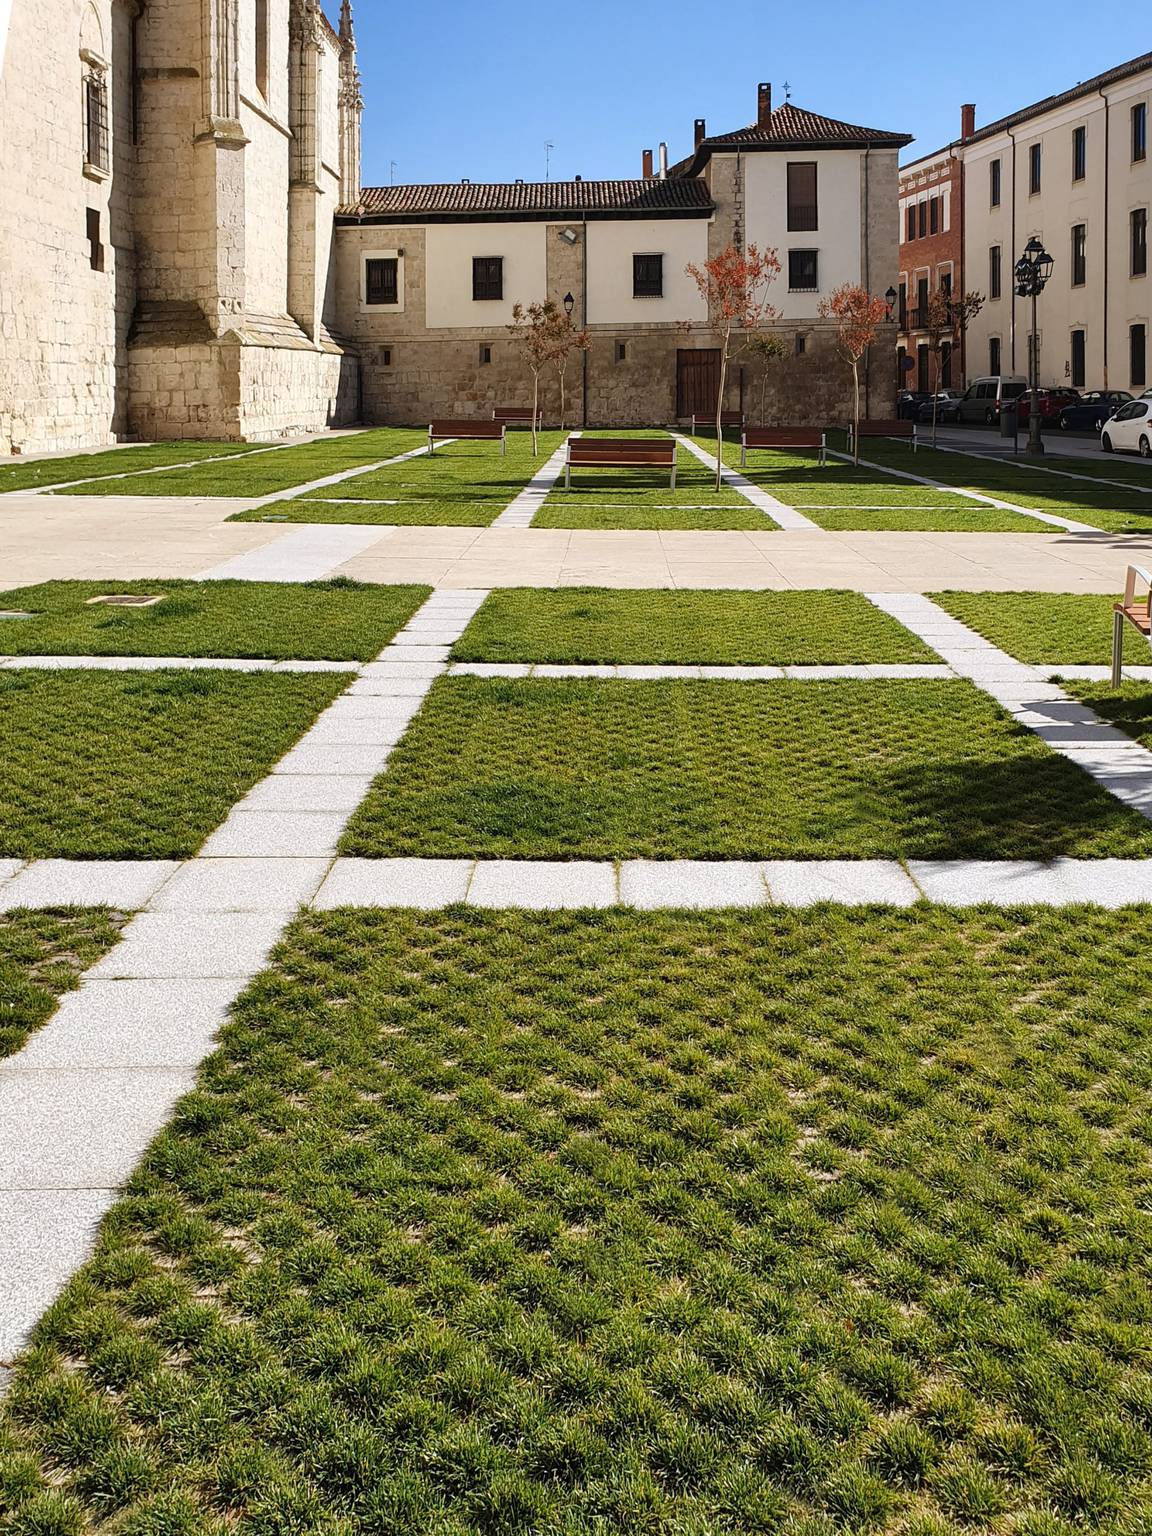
(569, 235)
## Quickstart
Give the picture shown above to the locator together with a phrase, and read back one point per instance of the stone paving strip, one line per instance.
(1067, 523)
(780, 512)
(305, 552)
(910, 671)
(84, 1098)
(1119, 764)
(523, 507)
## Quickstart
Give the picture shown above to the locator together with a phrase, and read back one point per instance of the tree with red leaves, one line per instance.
(546, 338)
(858, 315)
(734, 285)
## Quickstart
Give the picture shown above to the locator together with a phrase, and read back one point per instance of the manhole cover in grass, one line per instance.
(14, 613)
(127, 600)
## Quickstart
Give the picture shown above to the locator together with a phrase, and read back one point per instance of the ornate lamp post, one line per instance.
(569, 305)
(1032, 272)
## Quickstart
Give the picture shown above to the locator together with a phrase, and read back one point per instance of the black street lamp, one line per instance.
(569, 305)
(890, 300)
(1032, 272)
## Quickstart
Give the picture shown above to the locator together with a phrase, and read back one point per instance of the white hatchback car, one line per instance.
(1130, 430)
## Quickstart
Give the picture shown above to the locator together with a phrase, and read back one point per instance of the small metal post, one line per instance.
(1117, 648)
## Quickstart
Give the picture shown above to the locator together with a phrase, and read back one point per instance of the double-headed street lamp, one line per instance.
(1032, 272)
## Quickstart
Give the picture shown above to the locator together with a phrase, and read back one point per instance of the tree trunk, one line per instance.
(763, 394)
(535, 408)
(856, 410)
(720, 411)
(935, 394)
(563, 408)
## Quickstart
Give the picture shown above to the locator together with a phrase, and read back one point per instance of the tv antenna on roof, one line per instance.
(548, 148)
(787, 91)
(392, 173)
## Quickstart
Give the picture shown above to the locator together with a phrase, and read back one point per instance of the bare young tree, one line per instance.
(858, 315)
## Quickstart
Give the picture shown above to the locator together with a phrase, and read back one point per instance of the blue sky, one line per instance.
(465, 90)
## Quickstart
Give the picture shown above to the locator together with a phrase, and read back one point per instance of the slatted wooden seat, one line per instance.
(1130, 611)
(515, 415)
(782, 437)
(904, 430)
(620, 453)
(483, 431)
(727, 419)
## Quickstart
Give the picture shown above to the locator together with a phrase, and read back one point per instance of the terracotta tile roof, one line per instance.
(533, 199)
(791, 127)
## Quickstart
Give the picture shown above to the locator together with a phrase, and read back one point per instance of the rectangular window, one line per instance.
(95, 244)
(803, 271)
(922, 219)
(994, 183)
(1138, 226)
(946, 284)
(485, 355)
(933, 215)
(801, 344)
(921, 315)
(994, 272)
(802, 210)
(1034, 165)
(1079, 153)
(96, 120)
(1137, 350)
(1140, 131)
(382, 280)
(385, 357)
(647, 277)
(911, 221)
(621, 351)
(946, 365)
(1077, 360)
(903, 306)
(487, 277)
(994, 355)
(1079, 255)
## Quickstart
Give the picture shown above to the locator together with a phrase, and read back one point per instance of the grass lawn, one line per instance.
(970, 518)
(464, 484)
(270, 472)
(1128, 708)
(336, 620)
(642, 498)
(41, 955)
(513, 1224)
(31, 475)
(589, 624)
(1046, 628)
(130, 765)
(699, 770)
(1104, 506)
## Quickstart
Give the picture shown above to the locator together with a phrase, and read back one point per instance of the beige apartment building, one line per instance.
(1073, 171)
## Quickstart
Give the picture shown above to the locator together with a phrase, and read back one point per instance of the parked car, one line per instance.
(1130, 430)
(908, 402)
(1091, 411)
(1049, 402)
(982, 400)
(947, 404)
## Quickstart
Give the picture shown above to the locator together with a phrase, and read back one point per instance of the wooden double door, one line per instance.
(697, 380)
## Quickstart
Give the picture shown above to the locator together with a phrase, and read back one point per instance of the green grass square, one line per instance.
(37, 473)
(643, 499)
(596, 625)
(1046, 628)
(42, 955)
(698, 1224)
(334, 620)
(725, 770)
(140, 765)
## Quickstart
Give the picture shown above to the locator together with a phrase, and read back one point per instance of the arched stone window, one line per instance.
(94, 85)
(262, 47)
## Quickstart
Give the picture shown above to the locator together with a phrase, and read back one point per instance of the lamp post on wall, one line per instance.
(890, 300)
(569, 305)
(1032, 272)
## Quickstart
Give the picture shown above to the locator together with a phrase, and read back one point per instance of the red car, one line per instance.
(1050, 402)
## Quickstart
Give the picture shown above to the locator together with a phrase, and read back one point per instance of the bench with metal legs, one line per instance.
(1130, 611)
(482, 431)
(620, 453)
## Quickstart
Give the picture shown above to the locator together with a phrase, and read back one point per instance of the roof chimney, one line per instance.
(763, 104)
(647, 161)
(967, 121)
(699, 131)
(577, 178)
(663, 161)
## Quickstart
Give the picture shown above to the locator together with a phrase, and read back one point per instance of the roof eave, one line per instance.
(711, 147)
(350, 216)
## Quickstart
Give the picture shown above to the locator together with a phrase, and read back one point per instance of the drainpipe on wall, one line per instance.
(584, 314)
(866, 273)
(1107, 156)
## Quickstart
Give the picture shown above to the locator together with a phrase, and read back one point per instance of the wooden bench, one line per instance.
(905, 430)
(620, 453)
(1138, 614)
(483, 431)
(516, 415)
(727, 419)
(782, 437)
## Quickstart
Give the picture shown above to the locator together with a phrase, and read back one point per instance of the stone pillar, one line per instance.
(219, 166)
(351, 110)
(305, 83)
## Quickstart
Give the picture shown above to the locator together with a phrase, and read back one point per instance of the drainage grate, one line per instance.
(127, 600)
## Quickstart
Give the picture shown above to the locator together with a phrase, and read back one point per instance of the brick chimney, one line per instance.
(763, 104)
(967, 121)
(647, 162)
(699, 131)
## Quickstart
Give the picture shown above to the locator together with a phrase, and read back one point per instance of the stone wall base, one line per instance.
(233, 390)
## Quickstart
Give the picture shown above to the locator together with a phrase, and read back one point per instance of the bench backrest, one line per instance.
(783, 437)
(887, 429)
(621, 450)
(485, 429)
(511, 413)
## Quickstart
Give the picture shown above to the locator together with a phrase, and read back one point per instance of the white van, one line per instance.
(982, 400)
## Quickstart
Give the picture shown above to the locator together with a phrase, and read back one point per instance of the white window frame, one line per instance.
(396, 255)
